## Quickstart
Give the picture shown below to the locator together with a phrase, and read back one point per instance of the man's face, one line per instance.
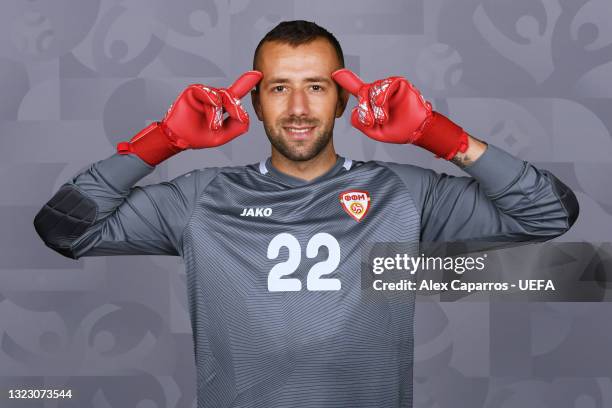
(297, 100)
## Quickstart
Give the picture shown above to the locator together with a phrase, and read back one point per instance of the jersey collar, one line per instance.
(342, 164)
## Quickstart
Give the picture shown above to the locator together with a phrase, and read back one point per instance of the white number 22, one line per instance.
(314, 280)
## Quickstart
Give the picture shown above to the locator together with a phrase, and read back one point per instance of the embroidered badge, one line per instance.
(356, 203)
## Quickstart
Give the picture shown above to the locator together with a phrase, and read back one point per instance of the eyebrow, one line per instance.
(309, 79)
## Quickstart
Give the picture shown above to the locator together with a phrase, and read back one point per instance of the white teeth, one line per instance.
(299, 130)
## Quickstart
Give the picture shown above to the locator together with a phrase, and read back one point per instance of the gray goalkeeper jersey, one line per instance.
(278, 313)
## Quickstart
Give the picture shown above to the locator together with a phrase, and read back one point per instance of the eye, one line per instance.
(317, 88)
(278, 88)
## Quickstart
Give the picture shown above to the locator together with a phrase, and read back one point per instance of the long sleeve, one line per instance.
(504, 200)
(100, 212)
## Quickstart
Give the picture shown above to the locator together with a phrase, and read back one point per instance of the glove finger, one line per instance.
(245, 83)
(422, 99)
(380, 94)
(384, 90)
(233, 106)
(348, 80)
(370, 131)
(202, 97)
(365, 115)
(208, 100)
(356, 122)
(233, 128)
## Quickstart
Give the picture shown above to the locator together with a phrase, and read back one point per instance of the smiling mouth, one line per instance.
(299, 132)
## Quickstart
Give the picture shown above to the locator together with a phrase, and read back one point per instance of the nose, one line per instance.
(298, 103)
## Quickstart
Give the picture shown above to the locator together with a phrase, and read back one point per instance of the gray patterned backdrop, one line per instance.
(76, 76)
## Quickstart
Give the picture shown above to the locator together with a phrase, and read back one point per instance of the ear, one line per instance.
(343, 97)
(256, 104)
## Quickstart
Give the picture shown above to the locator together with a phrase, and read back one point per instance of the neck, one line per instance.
(306, 170)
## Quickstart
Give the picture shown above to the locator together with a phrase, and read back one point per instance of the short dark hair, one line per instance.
(298, 32)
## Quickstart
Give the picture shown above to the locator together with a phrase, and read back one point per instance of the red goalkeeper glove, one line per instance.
(195, 121)
(392, 110)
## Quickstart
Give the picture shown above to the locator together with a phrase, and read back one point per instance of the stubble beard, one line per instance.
(294, 150)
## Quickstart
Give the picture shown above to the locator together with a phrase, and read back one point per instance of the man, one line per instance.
(273, 250)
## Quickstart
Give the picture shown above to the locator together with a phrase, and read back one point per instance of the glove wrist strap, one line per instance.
(151, 144)
(442, 137)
